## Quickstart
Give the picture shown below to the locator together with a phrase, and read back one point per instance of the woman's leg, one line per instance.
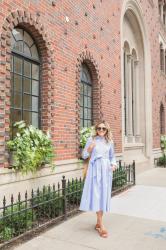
(102, 230)
(99, 218)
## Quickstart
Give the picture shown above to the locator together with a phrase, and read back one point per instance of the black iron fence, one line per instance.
(48, 204)
(123, 177)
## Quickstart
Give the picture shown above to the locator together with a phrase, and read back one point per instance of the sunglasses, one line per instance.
(101, 128)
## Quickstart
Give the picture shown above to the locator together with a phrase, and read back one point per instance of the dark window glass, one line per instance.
(35, 87)
(27, 69)
(27, 117)
(17, 83)
(85, 97)
(17, 65)
(27, 102)
(27, 85)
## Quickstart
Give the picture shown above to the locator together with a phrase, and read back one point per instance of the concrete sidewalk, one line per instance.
(137, 221)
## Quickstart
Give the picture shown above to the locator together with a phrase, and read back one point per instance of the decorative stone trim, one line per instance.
(32, 24)
(87, 58)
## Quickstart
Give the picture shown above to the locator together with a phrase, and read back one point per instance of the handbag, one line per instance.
(85, 167)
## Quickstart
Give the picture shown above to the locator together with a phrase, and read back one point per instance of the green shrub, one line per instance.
(30, 147)
(5, 234)
(85, 133)
(47, 204)
(163, 142)
(162, 161)
(74, 191)
(15, 221)
(119, 178)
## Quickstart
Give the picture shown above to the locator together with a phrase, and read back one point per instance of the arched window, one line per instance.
(86, 97)
(25, 82)
(162, 119)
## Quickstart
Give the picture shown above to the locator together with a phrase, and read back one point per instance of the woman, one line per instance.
(96, 194)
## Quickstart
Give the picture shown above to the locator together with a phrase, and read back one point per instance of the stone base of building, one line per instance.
(12, 182)
(157, 152)
(136, 151)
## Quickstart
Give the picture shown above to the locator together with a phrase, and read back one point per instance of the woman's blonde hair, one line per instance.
(108, 135)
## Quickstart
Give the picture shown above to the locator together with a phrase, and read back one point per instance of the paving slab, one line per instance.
(147, 202)
(153, 177)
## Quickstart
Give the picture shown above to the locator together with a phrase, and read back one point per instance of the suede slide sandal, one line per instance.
(103, 233)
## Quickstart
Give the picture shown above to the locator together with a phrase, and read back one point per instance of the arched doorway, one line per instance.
(136, 85)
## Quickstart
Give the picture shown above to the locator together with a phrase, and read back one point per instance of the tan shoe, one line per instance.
(103, 233)
(97, 227)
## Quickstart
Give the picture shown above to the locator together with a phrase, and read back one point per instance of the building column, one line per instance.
(125, 96)
(162, 9)
(137, 101)
(165, 60)
(129, 100)
(162, 64)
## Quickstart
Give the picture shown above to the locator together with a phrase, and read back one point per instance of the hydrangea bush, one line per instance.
(85, 133)
(163, 142)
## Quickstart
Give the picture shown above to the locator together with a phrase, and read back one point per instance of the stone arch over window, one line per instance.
(132, 77)
(34, 27)
(85, 59)
(137, 131)
(162, 119)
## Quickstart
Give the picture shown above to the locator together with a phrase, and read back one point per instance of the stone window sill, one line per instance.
(134, 145)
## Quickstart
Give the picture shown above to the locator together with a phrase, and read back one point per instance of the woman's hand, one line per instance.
(114, 167)
(90, 148)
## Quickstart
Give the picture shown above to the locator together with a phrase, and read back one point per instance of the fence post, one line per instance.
(134, 173)
(4, 217)
(120, 163)
(64, 196)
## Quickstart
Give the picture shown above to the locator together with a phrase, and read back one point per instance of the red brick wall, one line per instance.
(162, 78)
(158, 79)
(90, 33)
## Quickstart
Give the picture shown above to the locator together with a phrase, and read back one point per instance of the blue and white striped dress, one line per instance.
(96, 194)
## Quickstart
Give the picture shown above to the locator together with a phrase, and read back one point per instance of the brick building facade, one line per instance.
(119, 42)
